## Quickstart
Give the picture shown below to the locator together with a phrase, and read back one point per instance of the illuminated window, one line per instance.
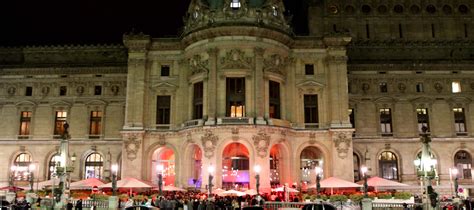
(274, 93)
(456, 87)
(94, 166)
(388, 166)
(423, 119)
(56, 159)
(463, 162)
(61, 117)
(459, 121)
(198, 100)
(95, 123)
(235, 4)
(235, 97)
(21, 167)
(386, 121)
(25, 122)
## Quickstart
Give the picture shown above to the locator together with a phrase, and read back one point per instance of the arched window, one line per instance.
(20, 167)
(463, 161)
(388, 166)
(52, 163)
(356, 160)
(94, 166)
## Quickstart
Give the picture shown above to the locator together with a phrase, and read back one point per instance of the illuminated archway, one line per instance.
(235, 166)
(195, 178)
(310, 158)
(164, 156)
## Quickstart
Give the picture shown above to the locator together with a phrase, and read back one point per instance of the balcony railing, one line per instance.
(22, 137)
(90, 136)
(192, 123)
(311, 125)
(163, 126)
(235, 120)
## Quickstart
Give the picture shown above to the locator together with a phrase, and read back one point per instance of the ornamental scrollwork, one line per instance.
(261, 141)
(342, 142)
(197, 65)
(235, 59)
(132, 142)
(209, 142)
(275, 63)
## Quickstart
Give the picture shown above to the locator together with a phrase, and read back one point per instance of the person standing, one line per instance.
(79, 204)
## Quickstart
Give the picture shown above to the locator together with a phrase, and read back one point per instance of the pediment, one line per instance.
(164, 85)
(61, 104)
(25, 103)
(310, 83)
(422, 100)
(96, 102)
(385, 99)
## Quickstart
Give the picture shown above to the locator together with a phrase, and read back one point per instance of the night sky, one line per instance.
(37, 22)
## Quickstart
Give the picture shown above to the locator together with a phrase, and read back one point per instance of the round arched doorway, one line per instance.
(235, 166)
(194, 177)
(276, 165)
(165, 158)
(310, 158)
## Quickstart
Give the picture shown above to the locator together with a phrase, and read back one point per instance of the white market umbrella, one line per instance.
(231, 193)
(285, 189)
(129, 183)
(378, 182)
(170, 188)
(250, 192)
(86, 184)
(333, 182)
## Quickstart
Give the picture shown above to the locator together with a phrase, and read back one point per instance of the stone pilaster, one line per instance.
(337, 81)
(133, 154)
(212, 87)
(259, 87)
(137, 58)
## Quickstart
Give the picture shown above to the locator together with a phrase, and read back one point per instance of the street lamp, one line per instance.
(318, 170)
(114, 179)
(159, 171)
(426, 170)
(210, 170)
(257, 169)
(454, 172)
(366, 186)
(31, 169)
(12, 177)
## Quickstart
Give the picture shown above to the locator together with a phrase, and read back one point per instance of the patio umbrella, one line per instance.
(170, 188)
(47, 183)
(12, 188)
(129, 183)
(85, 184)
(231, 193)
(333, 182)
(282, 189)
(217, 190)
(378, 182)
(250, 192)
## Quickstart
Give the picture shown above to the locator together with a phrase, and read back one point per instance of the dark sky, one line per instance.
(43, 22)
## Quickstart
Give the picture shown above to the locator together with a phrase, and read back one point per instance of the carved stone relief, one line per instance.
(402, 87)
(209, 142)
(197, 65)
(11, 91)
(438, 87)
(80, 90)
(132, 142)
(115, 89)
(312, 138)
(235, 59)
(161, 139)
(261, 142)
(275, 63)
(365, 87)
(342, 142)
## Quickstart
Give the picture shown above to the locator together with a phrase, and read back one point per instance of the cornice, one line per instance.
(22, 70)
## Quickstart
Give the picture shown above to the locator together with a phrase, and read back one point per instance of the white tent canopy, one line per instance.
(85, 184)
(129, 183)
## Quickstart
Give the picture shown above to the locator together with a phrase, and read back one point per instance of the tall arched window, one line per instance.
(21, 167)
(52, 163)
(388, 166)
(356, 160)
(463, 161)
(94, 166)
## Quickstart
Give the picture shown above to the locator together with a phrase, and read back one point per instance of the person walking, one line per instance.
(79, 204)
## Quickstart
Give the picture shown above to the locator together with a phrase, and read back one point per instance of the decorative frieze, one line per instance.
(261, 142)
(235, 59)
(132, 142)
(342, 141)
(209, 142)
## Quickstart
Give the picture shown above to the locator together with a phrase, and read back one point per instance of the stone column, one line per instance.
(137, 58)
(337, 81)
(342, 154)
(259, 87)
(212, 87)
(133, 153)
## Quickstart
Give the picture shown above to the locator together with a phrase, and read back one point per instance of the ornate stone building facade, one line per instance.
(239, 89)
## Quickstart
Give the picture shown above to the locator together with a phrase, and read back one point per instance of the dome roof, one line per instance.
(203, 14)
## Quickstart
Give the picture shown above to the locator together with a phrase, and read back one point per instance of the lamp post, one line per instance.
(65, 168)
(159, 171)
(210, 170)
(426, 171)
(114, 179)
(454, 172)
(318, 170)
(366, 186)
(257, 169)
(12, 177)
(31, 169)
